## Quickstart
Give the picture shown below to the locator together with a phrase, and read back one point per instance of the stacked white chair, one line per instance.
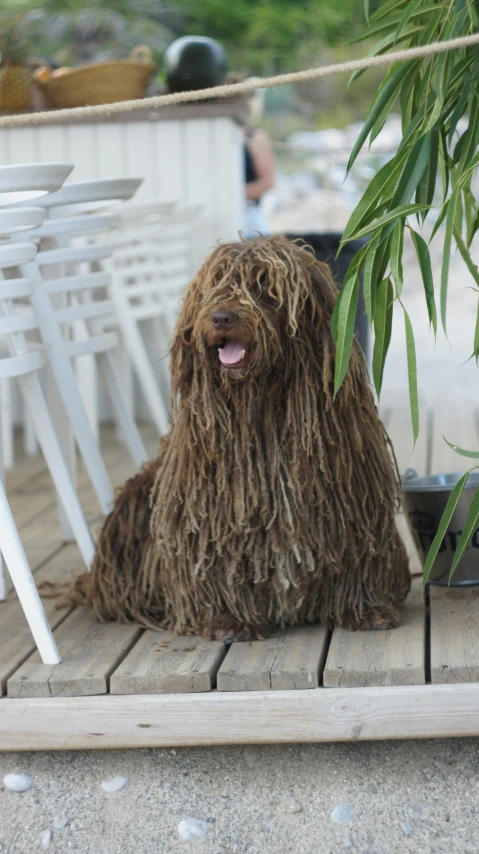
(23, 363)
(23, 184)
(80, 287)
(151, 264)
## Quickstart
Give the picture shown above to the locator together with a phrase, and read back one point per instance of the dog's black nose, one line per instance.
(224, 319)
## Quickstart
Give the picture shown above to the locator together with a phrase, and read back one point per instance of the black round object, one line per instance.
(195, 62)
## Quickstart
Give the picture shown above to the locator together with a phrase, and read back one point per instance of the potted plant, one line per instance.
(16, 88)
(432, 170)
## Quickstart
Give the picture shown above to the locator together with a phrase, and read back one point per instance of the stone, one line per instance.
(408, 831)
(60, 823)
(191, 829)
(115, 784)
(342, 814)
(293, 806)
(17, 782)
(46, 837)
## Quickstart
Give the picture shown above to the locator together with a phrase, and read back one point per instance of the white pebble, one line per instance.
(60, 823)
(293, 806)
(348, 842)
(115, 784)
(46, 837)
(191, 829)
(17, 782)
(342, 814)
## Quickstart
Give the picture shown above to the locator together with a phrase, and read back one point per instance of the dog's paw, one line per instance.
(376, 619)
(229, 629)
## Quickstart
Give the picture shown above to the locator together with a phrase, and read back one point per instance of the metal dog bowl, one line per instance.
(425, 500)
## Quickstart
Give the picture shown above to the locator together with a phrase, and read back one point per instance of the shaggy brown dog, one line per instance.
(269, 504)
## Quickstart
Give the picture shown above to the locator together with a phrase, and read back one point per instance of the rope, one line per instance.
(234, 89)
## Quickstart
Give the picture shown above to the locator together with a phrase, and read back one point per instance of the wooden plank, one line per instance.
(90, 652)
(291, 660)
(221, 718)
(454, 634)
(16, 641)
(161, 663)
(394, 657)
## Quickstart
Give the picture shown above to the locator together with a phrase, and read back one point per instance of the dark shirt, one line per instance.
(250, 173)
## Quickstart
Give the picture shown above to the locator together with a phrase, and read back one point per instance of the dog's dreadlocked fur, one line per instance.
(270, 504)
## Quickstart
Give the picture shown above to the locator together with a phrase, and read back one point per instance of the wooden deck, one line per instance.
(120, 686)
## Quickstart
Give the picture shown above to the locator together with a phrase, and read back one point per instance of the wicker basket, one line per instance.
(99, 83)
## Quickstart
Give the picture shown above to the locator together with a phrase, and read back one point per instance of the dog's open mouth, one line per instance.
(235, 354)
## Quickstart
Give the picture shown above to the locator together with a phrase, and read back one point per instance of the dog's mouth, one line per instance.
(234, 354)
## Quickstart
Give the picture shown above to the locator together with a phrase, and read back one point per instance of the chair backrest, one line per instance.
(68, 268)
(152, 261)
(20, 184)
(13, 324)
(79, 197)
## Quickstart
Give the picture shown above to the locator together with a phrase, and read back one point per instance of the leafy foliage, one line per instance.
(432, 169)
(264, 35)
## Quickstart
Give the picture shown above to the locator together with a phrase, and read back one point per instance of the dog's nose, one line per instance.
(223, 319)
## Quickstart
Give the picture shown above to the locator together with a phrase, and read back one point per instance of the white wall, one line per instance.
(187, 160)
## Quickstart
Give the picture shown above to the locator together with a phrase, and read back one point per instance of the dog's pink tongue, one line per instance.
(231, 353)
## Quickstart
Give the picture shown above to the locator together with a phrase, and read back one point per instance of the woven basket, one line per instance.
(99, 83)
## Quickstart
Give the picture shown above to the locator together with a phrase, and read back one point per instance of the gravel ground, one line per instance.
(402, 797)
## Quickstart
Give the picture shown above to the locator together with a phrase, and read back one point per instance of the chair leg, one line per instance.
(30, 444)
(3, 589)
(32, 391)
(127, 423)
(6, 423)
(12, 549)
(144, 372)
(64, 374)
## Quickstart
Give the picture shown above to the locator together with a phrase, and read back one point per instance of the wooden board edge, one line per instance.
(263, 717)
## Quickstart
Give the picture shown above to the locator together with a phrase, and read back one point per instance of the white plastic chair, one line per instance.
(151, 264)
(80, 287)
(23, 364)
(21, 184)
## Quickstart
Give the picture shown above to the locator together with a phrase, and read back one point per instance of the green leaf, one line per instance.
(476, 336)
(427, 185)
(470, 212)
(381, 47)
(424, 259)
(444, 524)
(383, 317)
(389, 217)
(446, 255)
(473, 455)
(397, 242)
(444, 171)
(435, 114)
(378, 189)
(344, 327)
(470, 526)
(369, 289)
(366, 10)
(410, 9)
(466, 256)
(380, 24)
(413, 171)
(383, 96)
(412, 376)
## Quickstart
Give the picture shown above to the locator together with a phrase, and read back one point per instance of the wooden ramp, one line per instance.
(122, 686)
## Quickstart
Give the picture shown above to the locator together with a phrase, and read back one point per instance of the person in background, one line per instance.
(259, 168)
